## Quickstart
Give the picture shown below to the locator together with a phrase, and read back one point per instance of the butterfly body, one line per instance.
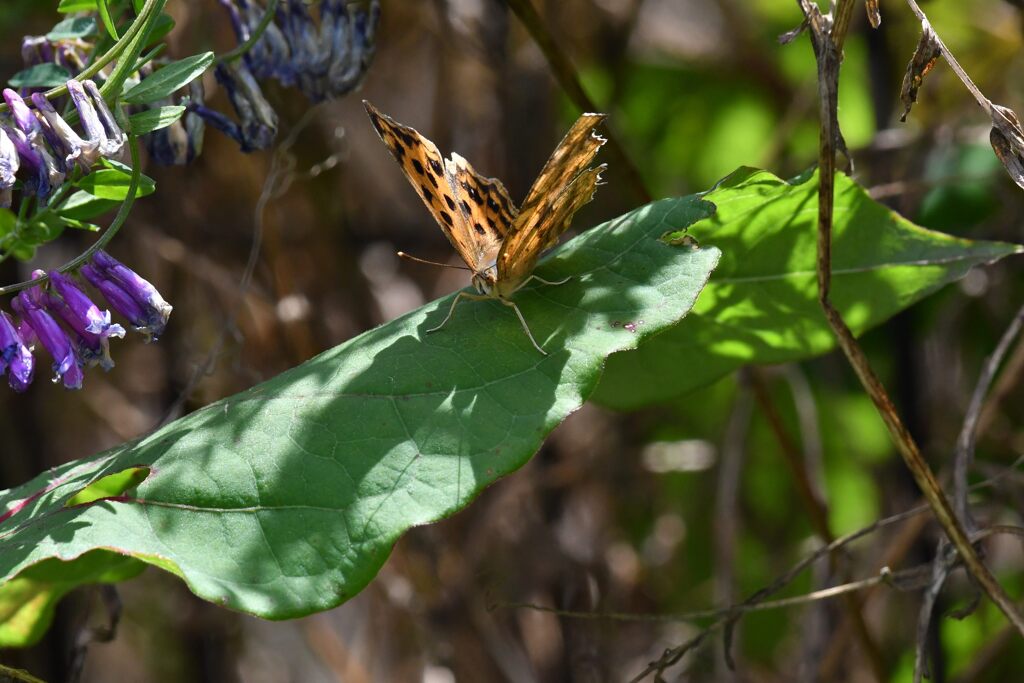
(499, 242)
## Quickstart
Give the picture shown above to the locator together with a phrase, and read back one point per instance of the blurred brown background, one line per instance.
(600, 519)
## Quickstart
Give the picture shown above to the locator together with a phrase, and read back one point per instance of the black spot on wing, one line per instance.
(447, 217)
(406, 138)
(427, 194)
(473, 194)
(479, 228)
(465, 206)
(435, 166)
(418, 166)
(451, 203)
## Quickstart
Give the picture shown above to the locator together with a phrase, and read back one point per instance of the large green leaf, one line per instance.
(27, 603)
(287, 498)
(761, 305)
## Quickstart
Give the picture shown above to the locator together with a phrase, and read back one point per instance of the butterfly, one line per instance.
(499, 242)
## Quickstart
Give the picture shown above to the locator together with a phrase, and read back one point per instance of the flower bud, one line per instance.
(129, 294)
(29, 304)
(15, 357)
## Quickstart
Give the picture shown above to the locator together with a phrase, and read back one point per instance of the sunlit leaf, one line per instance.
(155, 119)
(287, 498)
(72, 27)
(167, 79)
(68, 6)
(761, 305)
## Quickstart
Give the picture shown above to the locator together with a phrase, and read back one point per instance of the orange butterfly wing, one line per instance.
(564, 185)
(474, 212)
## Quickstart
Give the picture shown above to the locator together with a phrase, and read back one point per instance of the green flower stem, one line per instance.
(131, 48)
(261, 27)
(141, 26)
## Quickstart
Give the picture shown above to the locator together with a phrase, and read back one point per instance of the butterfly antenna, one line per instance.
(409, 257)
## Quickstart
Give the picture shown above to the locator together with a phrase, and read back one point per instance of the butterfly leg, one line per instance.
(460, 295)
(522, 321)
(547, 282)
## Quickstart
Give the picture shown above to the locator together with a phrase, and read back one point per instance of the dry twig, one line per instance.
(567, 77)
(827, 36)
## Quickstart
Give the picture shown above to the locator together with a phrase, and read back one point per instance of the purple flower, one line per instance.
(63, 137)
(241, 30)
(67, 53)
(53, 167)
(29, 304)
(36, 50)
(15, 357)
(271, 56)
(23, 116)
(92, 325)
(257, 119)
(69, 57)
(114, 136)
(104, 135)
(120, 300)
(182, 141)
(9, 163)
(308, 61)
(38, 180)
(29, 138)
(129, 294)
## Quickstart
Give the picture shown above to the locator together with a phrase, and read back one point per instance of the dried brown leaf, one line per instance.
(874, 16)
(925, 56)
(1007, 140)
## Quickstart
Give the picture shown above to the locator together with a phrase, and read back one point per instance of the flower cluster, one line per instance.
(83, 339)
(45, 148)
(324, 58)
(71, 54)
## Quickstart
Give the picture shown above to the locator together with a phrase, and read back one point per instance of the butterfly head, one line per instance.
(484, 281)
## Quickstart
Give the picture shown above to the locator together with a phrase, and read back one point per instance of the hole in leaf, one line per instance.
(109, 486)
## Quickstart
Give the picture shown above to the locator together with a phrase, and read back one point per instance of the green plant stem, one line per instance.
(827, 44)
(817, 511)
(18, 675)
(149, 12)
(108, 234)
(132, 48)
(570, 82)
(257, 33)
